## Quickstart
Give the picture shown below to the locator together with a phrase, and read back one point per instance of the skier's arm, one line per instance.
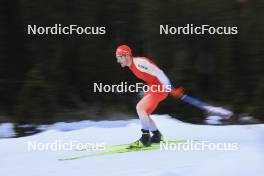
(162, 77)
(148, 67)
(175, 92)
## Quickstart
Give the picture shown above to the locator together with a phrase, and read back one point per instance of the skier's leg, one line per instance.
(152, 125)
(155, 99)
(142, 107)
(146, 106)
(154, 102)
(157, 136)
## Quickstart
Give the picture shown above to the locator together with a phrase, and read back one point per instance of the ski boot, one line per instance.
(144, 141)
(157, 137)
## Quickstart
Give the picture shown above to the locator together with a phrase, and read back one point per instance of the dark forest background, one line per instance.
(50, 77)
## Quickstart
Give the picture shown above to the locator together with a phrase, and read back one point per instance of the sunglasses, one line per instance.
(120, 57)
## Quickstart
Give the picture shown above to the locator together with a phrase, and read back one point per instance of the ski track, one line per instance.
(15, 158)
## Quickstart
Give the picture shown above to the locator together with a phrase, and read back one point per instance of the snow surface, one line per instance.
(16, 159)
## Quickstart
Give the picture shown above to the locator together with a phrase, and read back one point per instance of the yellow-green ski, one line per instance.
(123, 150)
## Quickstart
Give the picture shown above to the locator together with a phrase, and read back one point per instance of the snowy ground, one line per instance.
(16, 159)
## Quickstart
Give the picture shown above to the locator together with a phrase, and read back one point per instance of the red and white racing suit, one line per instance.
(154, 77)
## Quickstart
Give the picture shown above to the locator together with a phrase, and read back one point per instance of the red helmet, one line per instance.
(123, 50)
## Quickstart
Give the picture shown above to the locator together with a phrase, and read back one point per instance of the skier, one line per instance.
(153, 76)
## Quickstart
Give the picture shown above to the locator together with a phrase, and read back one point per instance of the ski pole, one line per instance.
(208, 108)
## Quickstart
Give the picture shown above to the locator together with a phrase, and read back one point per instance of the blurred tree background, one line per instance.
(50, 77)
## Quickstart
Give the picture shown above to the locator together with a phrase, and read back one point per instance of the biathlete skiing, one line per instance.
(153, 76)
